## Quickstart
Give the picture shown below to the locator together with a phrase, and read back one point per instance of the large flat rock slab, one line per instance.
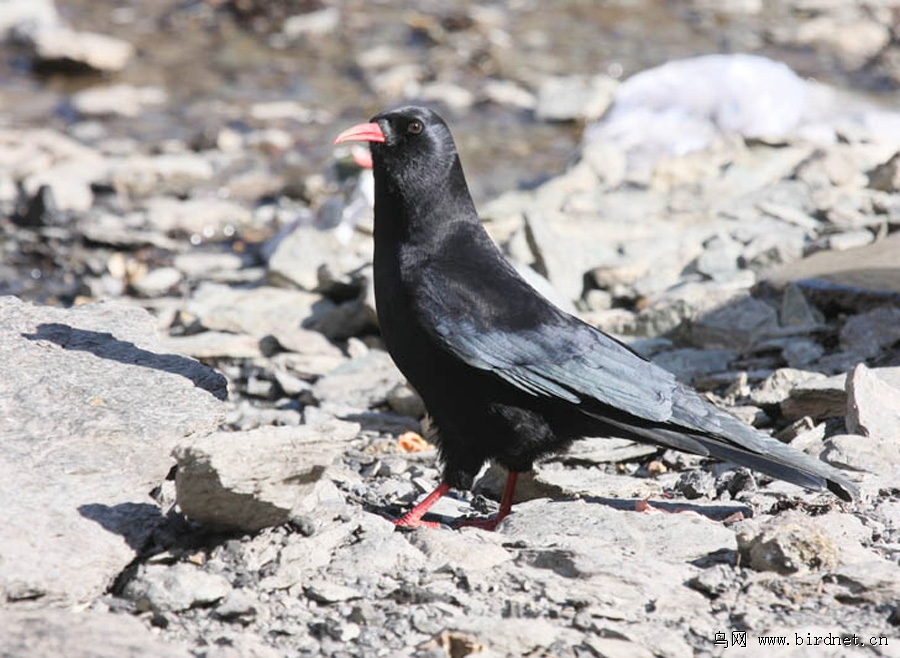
(40, 633)
(873, 268)
(251, 480)
(92, 407)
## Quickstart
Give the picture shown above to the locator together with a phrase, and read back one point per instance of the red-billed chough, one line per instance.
(505, 374)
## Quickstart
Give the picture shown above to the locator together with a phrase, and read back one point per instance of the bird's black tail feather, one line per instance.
(699, 427)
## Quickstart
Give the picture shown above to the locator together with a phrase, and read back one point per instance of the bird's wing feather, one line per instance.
(564, 359)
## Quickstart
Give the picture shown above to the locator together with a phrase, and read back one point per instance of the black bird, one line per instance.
(505, 374)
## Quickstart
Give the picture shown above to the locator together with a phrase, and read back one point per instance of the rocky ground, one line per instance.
(203, 439)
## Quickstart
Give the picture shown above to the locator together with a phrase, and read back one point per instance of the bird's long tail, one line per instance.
(699, 427)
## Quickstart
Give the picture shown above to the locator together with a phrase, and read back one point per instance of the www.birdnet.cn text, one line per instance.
(740, 639)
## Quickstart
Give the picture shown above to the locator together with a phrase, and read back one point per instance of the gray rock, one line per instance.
(378, 550)
(168, 173)
(563, 253)
(213, 345)
(836, 167)
(551, 480)
(24, 15)
(805, 436)
(469, 550)
(737, 325)
(346, 320)
(886, 176)
(108, 229)
(256, 479)
(507, 92)
(874, 454)
(870, 333)
(326, 592)
(696, 484)
(157, 283)
(604, 451)
(827, 398)
(756, 171)
(296, 257)
(290, 385)
(92, 404)
(301, 555)
(855, 40)
(777, 387)
(312, 23)
(850, 240)
(238, 605)
(598, 300)
(258, 311)
(62, 47)
(87, 634)
(817, 398)
(873, 405)
(587, 552)
(305, 341)
(261, 387)
(871, 269)
(796, 311)
(793, 542)
(206, 217)
(181, 586)
(452, 95)
(613, 647)
(364, 382)
(801, 352)
(574, 97)
(279, 110)
(502, 636)
(207, 265)
(70, 180)
(122, 100)
(689, 363)
(405, 401)
(719, 260)
(875, 582)
(308, 366)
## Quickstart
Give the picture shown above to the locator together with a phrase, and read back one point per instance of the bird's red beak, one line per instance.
(363, 132)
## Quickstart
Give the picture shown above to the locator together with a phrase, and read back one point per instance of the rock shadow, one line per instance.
(147, 529)
(712, 512)
(135, 522)
(107, 346)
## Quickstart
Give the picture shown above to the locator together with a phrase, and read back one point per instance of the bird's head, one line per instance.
(410, 146)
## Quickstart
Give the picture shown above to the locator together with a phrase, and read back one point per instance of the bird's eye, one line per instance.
(414, 127)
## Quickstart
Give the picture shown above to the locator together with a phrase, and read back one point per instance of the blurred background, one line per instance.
(212, 63)
(262, 86)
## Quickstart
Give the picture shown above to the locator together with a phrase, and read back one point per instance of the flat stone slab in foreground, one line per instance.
(252, 480)
(81, 635)
(91, 407)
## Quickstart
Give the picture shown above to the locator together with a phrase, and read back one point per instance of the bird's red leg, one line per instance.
(492, 522)
(413, 518)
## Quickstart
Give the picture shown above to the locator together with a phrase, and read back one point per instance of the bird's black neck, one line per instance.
(422, 208)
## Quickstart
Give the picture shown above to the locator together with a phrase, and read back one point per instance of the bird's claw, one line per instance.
(405, 522)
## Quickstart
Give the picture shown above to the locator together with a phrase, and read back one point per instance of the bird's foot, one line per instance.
(413, 518)
(490, 523)
(413, 521)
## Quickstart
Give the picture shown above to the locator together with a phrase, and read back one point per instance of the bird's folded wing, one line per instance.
(568, 360)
